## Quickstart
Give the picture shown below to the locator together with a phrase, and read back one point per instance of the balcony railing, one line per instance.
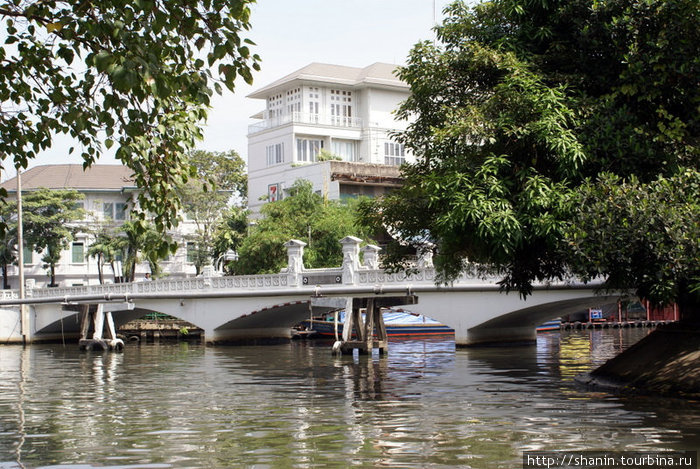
(305, 118)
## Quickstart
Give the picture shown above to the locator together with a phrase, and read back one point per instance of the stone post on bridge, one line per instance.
(295, 261)
(370, 256)
(351, 258)
(425, 256)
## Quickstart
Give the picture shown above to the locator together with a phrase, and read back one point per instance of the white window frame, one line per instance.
(274, 154)
(73, 246)
(340, 147)
(394, 154)
(308, 149)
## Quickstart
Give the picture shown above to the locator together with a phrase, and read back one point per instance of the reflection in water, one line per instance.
(424, 405)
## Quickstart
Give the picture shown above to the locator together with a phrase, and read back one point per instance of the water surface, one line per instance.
(295, 405)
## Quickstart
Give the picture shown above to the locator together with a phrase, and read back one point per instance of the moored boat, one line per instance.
(553, 325)
(398, 324)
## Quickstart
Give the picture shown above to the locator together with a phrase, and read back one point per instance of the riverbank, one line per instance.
(665, 363)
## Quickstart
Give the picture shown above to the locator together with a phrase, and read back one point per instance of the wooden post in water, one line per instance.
(372, 334)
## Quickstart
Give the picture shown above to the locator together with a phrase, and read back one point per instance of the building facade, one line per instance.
(330, 125)
(109, 195)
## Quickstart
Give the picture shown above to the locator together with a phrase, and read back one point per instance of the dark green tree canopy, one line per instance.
(519, 108)
(138, 73)
(302, 215)
(50, 219)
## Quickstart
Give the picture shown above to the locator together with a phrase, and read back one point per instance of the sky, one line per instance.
(290, 35)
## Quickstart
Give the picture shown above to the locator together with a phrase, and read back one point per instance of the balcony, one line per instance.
(305, 118)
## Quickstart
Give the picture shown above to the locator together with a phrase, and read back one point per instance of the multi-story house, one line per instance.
(331, 125)
(109, 194)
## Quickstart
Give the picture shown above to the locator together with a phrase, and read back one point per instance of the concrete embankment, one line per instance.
(665, 363)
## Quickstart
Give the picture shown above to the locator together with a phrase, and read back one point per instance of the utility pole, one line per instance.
(24, 316)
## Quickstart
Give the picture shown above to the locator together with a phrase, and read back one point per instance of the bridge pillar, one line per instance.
(365, 338)
(520, 335)
(98, 319)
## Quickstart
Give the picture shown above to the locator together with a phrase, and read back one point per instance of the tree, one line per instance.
(105, 249)
(517, 111)
(138, 240)
(229, 234)
(224, 171)
(302, 215)
(49, 218)
(220, 176)
(645, 235)
(140, 74)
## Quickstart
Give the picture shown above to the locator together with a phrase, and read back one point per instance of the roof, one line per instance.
(378, 74)
(72, 176)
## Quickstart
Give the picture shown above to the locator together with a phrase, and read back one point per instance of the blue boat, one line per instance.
(553, 325)
(398, 323)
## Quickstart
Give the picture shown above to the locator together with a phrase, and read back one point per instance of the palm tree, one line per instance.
(141, 240)
(104, 250)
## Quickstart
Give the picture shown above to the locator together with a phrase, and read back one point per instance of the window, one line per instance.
(394, 154)
(308, 148)
(191, 252)
(341, 108)
(108, 210)
(293, 101)
(275, 154)
(78, 253)
(314, 99)
(28, 255)
(345, 149)
(274, 106)
(120, 211)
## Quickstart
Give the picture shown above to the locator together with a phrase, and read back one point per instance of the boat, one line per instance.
(553, 325)
(399, 323)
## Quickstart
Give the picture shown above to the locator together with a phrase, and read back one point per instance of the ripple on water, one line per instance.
(424, 405)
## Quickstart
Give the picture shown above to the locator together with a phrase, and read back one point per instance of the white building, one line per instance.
(109, 192)
(345, 111)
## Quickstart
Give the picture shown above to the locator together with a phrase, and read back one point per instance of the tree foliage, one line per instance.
(515, 113)
(105, 249)
(302, 215)
(138, 74)
(650, 234)
(137, 241)
(229, 234)
(220, 176)
(49, 222)
(8, 240)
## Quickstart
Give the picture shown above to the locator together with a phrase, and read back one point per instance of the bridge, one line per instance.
(234, 308)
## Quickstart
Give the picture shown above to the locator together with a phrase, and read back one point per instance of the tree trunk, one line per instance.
(100, 264)
(5, 283)
(52, 267)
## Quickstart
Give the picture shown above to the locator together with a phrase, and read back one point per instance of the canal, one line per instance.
(295, 405)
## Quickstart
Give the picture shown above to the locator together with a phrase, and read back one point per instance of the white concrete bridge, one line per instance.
(267, 306)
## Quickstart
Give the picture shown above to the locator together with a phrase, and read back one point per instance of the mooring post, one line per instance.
(369, 325)
(382, 337)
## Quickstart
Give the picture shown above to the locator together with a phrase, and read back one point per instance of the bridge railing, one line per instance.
(352, 272)
(173, 285)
